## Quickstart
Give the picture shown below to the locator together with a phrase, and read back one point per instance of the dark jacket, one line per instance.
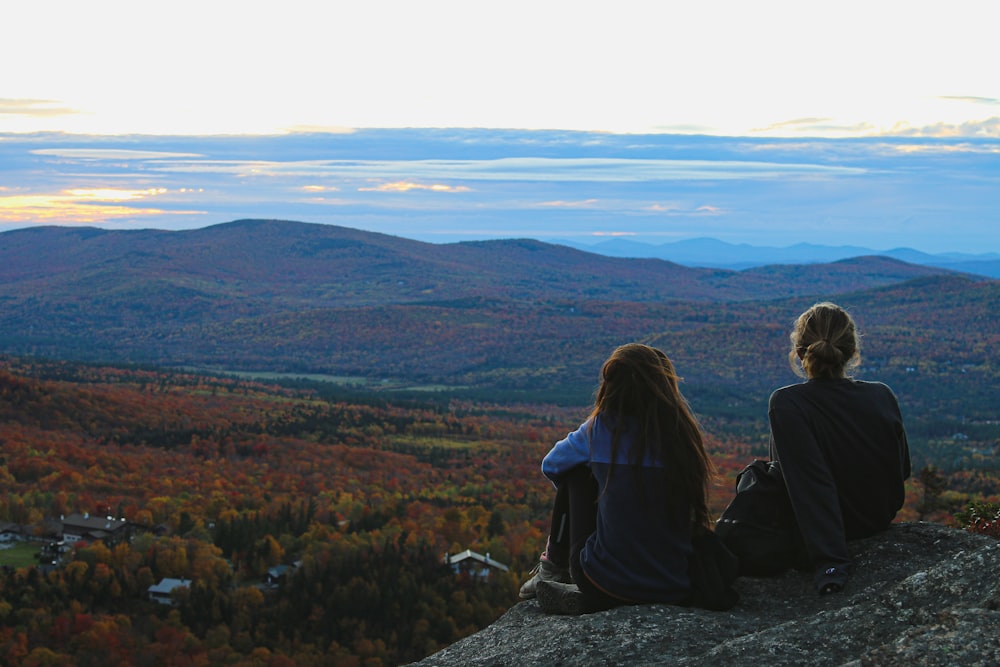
(640, 549)
(844, 455)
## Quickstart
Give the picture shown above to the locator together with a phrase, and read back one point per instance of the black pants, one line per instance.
(574, 520)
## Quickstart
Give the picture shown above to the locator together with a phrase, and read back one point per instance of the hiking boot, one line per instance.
(555, 597)
(544, 571)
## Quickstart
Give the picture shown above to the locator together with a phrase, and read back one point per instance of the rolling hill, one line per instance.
(265, 295)
(368, 494)
(291, 263)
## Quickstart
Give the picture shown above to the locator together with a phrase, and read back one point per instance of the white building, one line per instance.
(161, 592)
(474, 564)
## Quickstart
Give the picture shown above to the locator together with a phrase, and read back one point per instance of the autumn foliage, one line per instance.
(223, 479)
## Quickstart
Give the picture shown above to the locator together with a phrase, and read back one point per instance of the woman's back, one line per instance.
(643, 540)
(856, 429)
(840, 442)
(635, 477)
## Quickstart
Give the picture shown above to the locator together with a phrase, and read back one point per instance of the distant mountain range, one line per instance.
(267, 264)
(707, 252)
(291, 297)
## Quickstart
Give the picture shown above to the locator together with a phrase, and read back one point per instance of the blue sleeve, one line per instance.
(568, 453)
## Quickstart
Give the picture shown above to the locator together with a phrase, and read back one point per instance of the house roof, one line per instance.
(167, 585)
(469, 554)
(86, 522)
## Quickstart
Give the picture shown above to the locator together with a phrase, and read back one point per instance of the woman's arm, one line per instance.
(571, 451)
(813, 492)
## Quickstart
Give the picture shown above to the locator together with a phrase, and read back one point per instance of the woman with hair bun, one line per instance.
(840, 443)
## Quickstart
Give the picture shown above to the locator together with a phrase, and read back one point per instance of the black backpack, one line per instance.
(713, 570)
(759, 525)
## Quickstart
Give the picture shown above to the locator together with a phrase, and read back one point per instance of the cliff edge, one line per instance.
(921, 594)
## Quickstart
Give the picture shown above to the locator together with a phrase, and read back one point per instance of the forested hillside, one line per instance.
(222, 479)
(268, 264)
(355, 406)
(503, 316)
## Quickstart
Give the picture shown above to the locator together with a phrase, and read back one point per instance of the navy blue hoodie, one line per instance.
(640, 550)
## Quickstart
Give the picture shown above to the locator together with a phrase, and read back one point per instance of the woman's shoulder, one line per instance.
(881, 394)
(786, 393)
(605, 423)
(830, 386)
(873, 387)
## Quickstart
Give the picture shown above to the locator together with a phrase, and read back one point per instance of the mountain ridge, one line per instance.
(301, 260)
(709, 252)
(288, 297)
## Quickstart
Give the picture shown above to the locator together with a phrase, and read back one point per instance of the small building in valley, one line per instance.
(162, 592)
(76, 527)
(472, 564)
(277, 575)
(11, 532)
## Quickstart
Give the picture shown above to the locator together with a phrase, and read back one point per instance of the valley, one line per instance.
(351, 406)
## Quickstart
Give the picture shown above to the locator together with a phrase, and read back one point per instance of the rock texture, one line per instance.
(921, 594)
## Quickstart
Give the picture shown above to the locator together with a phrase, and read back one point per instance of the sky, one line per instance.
(770, 123)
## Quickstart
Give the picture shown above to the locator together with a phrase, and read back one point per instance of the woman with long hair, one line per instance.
(840, 443)
(631, 489)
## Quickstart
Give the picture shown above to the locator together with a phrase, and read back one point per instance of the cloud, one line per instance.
(970, 98)
(111, 154)
(325, 201)
(406, 186)
(663, 208)
(405, 175)
(986, 128)
(683, 128)
(520, 183)
(639, 170)
(113, 194)
(586, 203)
(819, 127)
(931, 148)
(614, 169)
(33, 108)
(796, 123)
(677, 209)
(320, 129)
(80, 205)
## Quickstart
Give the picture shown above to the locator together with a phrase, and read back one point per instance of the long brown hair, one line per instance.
(638, 382)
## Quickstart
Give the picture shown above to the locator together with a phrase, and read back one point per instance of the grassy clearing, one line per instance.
(21, 554)
(373, 384)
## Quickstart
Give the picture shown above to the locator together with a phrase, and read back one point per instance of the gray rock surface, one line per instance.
(921, 594)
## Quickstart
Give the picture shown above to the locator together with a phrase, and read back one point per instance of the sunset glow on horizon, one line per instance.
(874, 123)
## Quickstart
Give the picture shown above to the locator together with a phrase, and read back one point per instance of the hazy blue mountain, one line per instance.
(712, 253)
(260, 265)
(519, 314)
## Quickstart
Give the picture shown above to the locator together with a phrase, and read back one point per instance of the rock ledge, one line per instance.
(921, 594)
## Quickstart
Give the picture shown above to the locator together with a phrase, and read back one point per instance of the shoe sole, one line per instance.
(559, 600)
(530, 594)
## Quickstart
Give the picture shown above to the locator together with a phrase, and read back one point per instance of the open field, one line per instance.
(19, 554)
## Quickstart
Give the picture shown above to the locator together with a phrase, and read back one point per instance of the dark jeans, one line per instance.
(574, 520)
